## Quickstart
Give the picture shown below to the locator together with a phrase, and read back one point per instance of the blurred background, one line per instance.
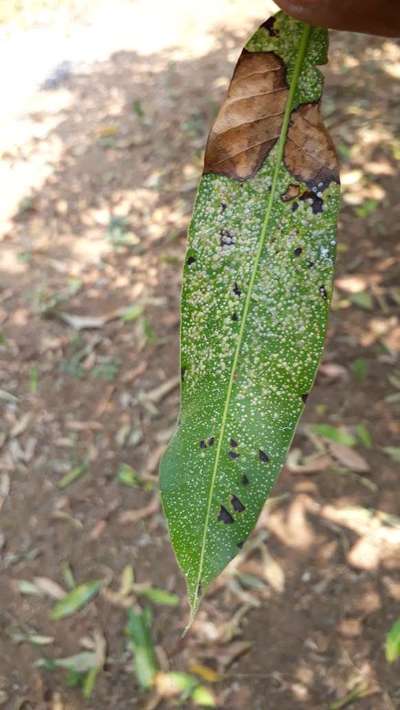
(105, 109)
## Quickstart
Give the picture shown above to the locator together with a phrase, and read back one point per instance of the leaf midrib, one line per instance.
(303, 44)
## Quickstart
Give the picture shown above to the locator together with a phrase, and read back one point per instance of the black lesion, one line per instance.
(190, 260)
(305, 397)
(235, 317)
(263, 456)
(310, 264)
(298, 251)
(245, 480)
(199, 589)
(240, 544)
(223, 207)
(183, 372)
(317, 202)
(211, 440)
(323, 292)
(269, 26)
(203, 444)
(224, 516)
(233, 454)
(226, 238)
(233, 443)
(237, 505)
(236, 290)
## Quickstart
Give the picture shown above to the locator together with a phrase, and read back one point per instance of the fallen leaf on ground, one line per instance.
(310, 464)
(75, 600)
(133, 516)
(348, 457)
(49, 587)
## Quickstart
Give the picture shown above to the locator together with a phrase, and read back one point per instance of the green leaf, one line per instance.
(132, 313)
(257, 284)
(392, 647)
(75, 600)
(157, 596)
(393, 452)
(203, 697)
(80, 663)
(145, 661)
(362, 299)
(73, 475)
(333, 433)
(127, 475)
(364, 436)
(360, 369)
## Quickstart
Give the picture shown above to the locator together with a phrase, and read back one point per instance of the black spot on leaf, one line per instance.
(190, 260)
(298, 251)
(269, 27)
(203, 444)
(245, 480)
(233, 454)
(223, 207)
(199, 589)
(263, 456)
(323, 292)
(236, 289)
(304, 397)
(235, 317)
(183, 372)
(233, 443)
(226, 238)
(317, 202)
(224, 516)
(237, 505)
(295, 206)
(240, 544)
(211, 440)
(310, 264)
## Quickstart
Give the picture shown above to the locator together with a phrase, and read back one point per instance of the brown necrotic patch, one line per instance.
(309, 152)
(250, 121)
(291, 193)
(224, 516)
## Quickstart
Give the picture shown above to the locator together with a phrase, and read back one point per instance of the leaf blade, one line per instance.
(203, 493)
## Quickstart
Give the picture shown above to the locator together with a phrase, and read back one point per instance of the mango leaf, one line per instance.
(75, 600)
(257, 284)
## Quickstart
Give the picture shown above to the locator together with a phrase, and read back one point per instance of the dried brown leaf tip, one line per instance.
(250, 120)
(309, 153)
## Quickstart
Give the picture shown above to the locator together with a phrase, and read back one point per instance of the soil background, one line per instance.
(106, 109)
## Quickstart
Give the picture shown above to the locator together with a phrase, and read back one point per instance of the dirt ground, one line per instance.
(98, 180)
